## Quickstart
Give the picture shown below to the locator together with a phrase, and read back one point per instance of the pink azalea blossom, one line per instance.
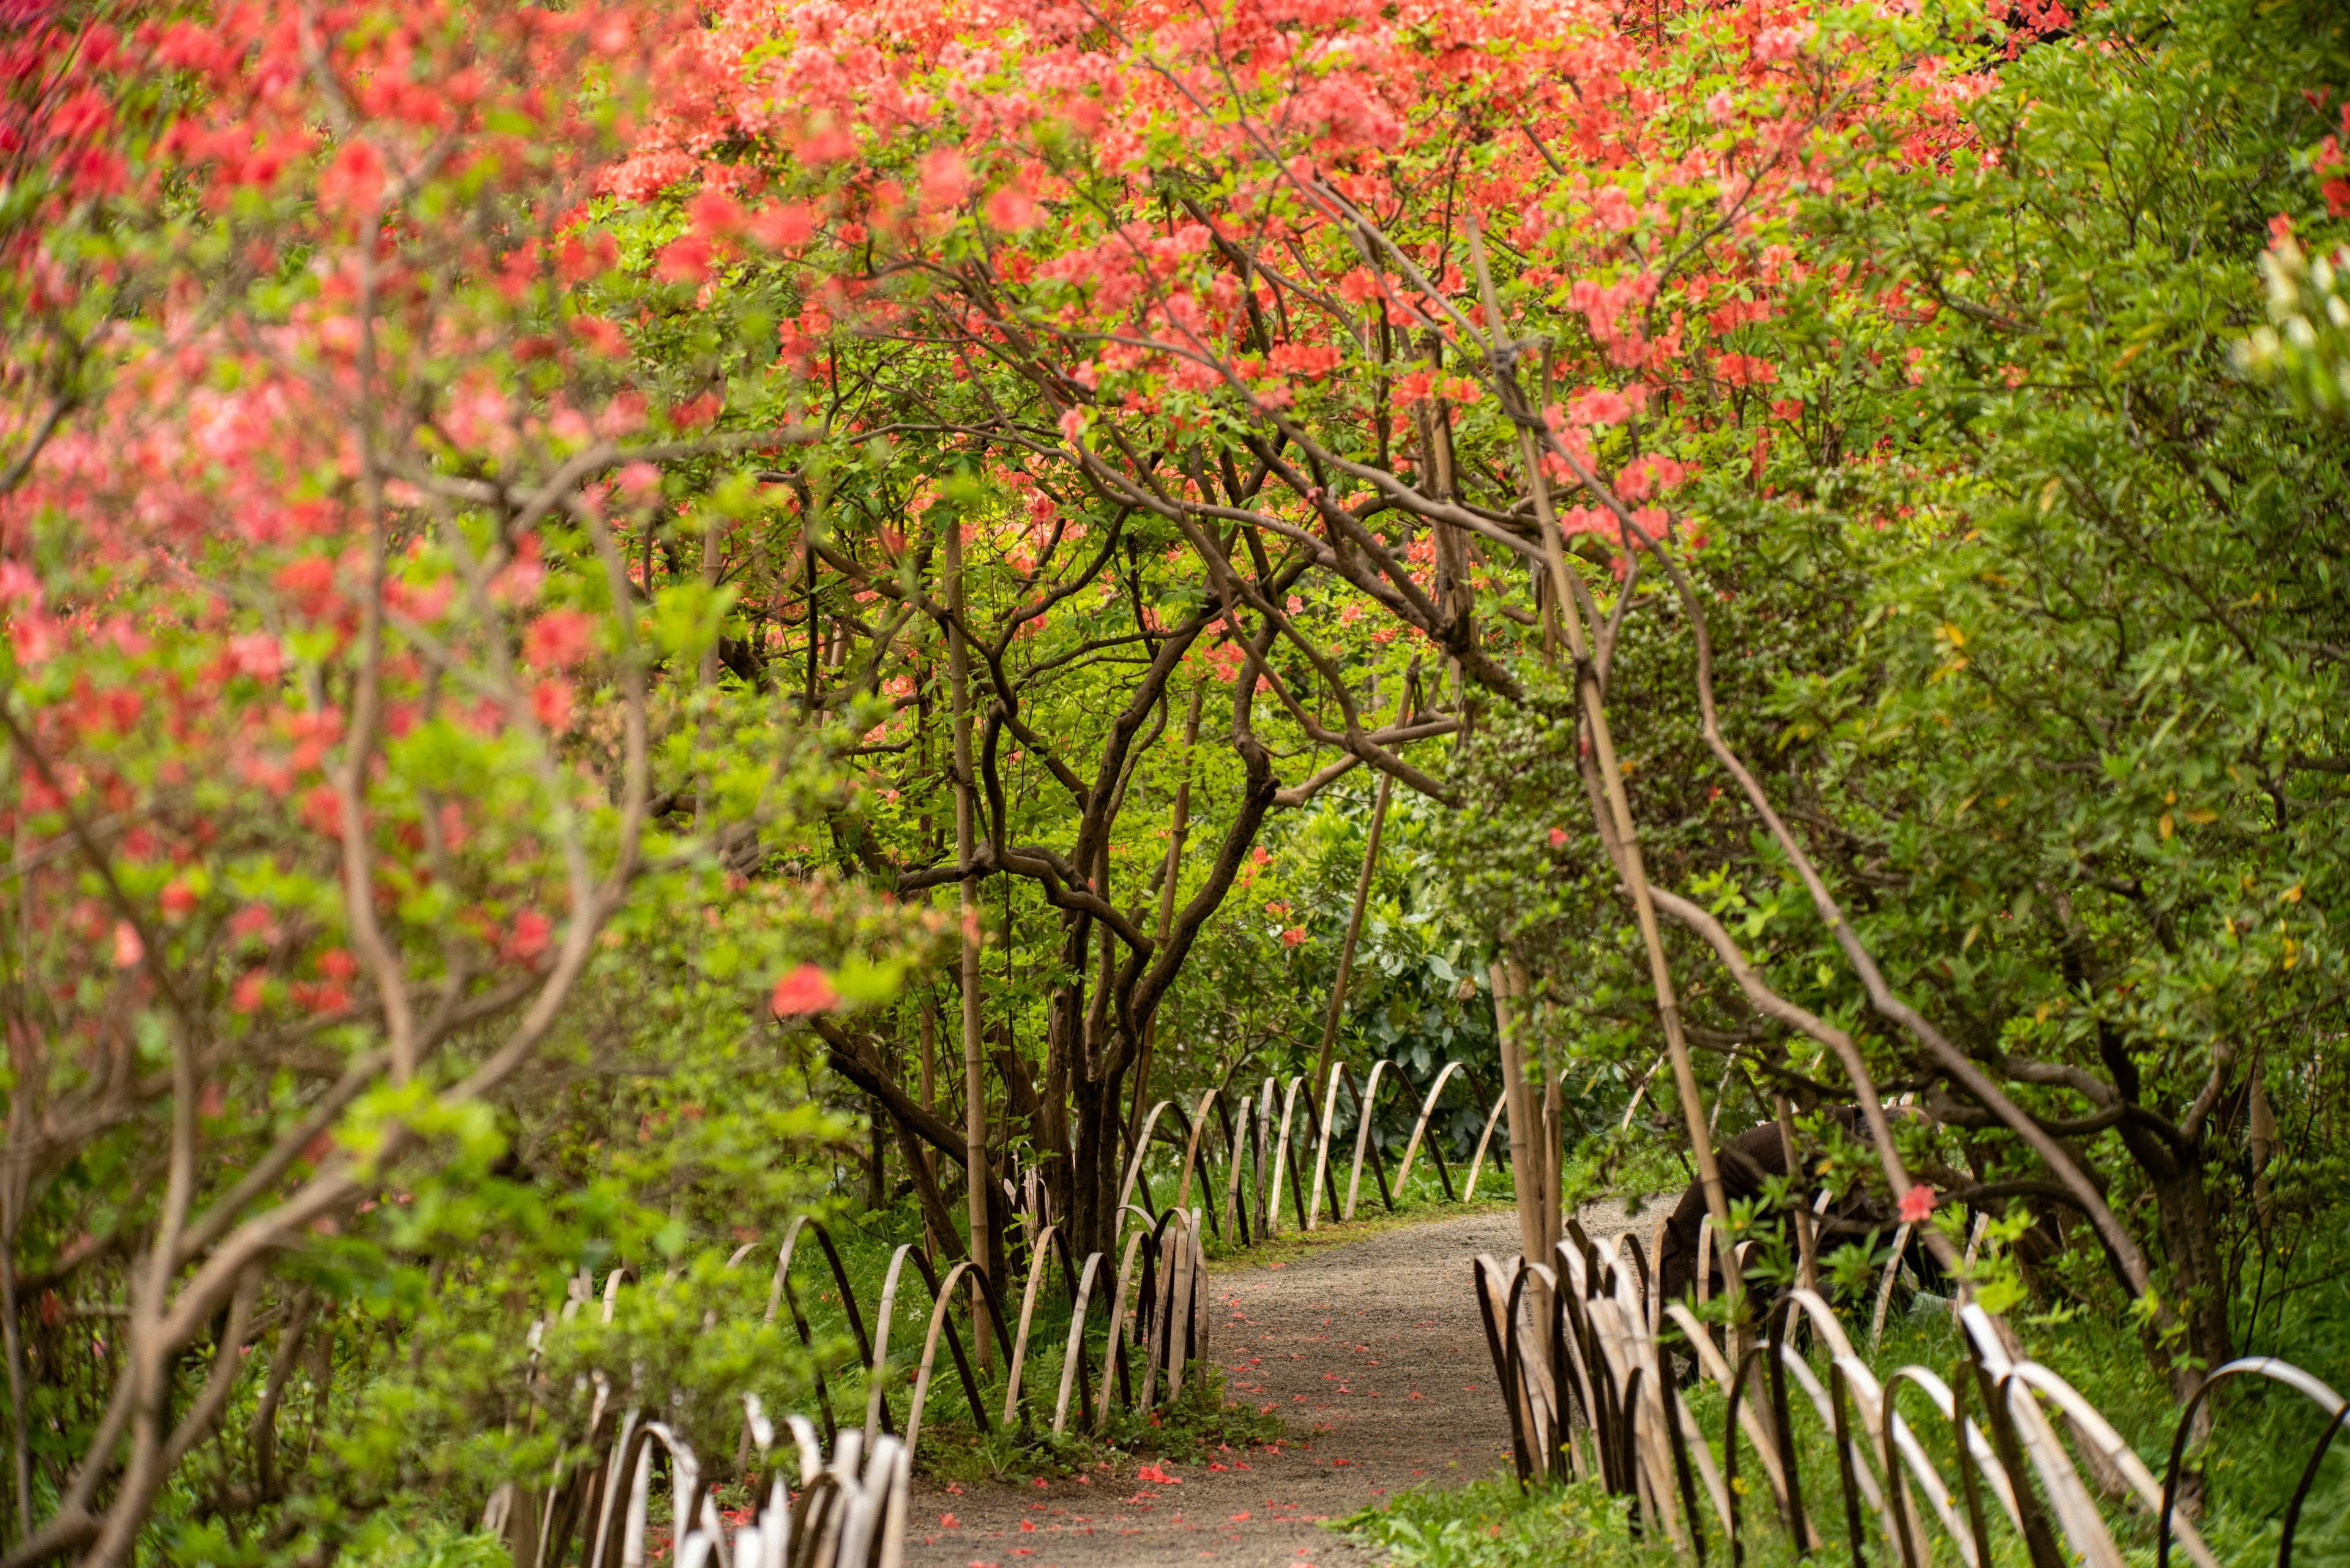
(806, 990)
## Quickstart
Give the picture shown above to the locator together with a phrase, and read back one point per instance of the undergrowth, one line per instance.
(2263, 1439)
(1192, 1430)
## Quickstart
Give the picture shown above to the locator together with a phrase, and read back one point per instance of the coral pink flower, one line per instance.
(806, 990)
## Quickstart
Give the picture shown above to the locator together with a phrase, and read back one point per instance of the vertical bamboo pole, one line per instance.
(930, 1005)
(2263, 1142)
(20, 1452)
(1807, 1254)
(1526, 1178)
(1619, 812)
(1337, 1007)
(929, 1057)
(918, 1150)
(1354, 920)
(1525, 1168)
(974, 1076)
(1550, 1150)
(1179, 827)
(705, 680)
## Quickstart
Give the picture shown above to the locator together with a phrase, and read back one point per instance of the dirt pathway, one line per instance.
(1373, 1352)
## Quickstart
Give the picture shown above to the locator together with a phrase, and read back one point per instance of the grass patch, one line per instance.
(1492, 1521)
(2263, 1437)
(383, 1542)
(1189, 1431)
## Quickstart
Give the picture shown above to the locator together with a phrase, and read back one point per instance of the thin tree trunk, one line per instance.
(974, 1076)
(2183, 1216)
(815, 635)
(20, 1444)
(1455, 589)
(2263, 1144)
(940, 1241)
(937, 1217)
(1179, 828)
(1354, 920)
(12, 1197)
(1549, 1152)
(1806, 1250)
(1526, 1167)
(1633, 869)
(706, 678)
(920, 1165)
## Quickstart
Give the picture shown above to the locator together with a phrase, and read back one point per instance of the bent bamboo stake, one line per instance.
(941, 1305)
(1363, 1134)
(1234, 1216)
(1118, 1316)
(1072, 1357)
(1617, 1316)
(1656, 1274)
(1321, 1150)
(1195, 1322)
(1263, 1135)
(1884, 1288)
(1574, 1272)
(1134, 1165)
(897, 1476)
(1037, 1257)
(686, 1474)
(1693, 1442)
(1191, 1147)
(1419, 1127)
(1469, 1193)
(1750, 1415)
(1864, 1478)
(2024, 1378)
(1281, 1155)
(1525, 1378)
(875, 1394)
(1870, 1399)
(2090, 1424)
(1937, 1491)
(1705, 1257)
(1170, 1225)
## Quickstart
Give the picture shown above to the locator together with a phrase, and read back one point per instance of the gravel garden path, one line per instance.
(1372, 1351)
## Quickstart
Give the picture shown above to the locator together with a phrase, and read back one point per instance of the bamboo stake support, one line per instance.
(1526, 1175)
(1362, 902)
(974, 1074)
(1603, 743)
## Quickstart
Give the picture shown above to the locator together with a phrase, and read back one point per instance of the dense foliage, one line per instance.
(623, 622)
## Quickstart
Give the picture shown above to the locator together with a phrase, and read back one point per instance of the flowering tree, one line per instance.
(352, 752)
(2023, 608)
(2135, 939)
(1338, 294)
(478, 482)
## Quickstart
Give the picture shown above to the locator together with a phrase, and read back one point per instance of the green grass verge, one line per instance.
(2263, 1439)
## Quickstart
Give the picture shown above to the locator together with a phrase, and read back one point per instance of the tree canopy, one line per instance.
(625, 620)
